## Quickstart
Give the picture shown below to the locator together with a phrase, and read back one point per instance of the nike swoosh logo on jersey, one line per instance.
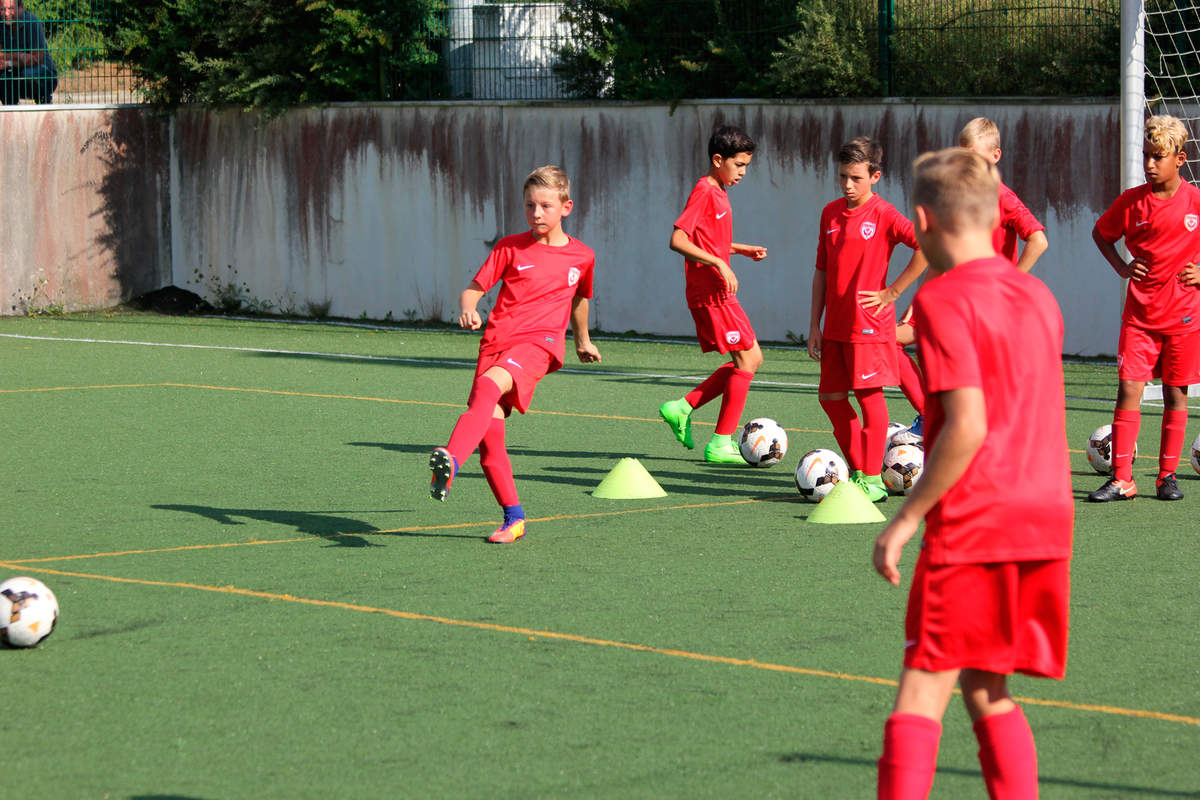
(832, 231)
(1140, 224)
(866, 376)
(515, 364)
(723, 213)
(523, 267)
(909, 643)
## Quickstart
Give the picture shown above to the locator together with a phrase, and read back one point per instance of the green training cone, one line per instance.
(628, 480)
(845, 504)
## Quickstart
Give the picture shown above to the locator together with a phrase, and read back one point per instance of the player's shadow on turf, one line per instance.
(338, 531)
(724, 483)
(1107, 789)
(424, 449)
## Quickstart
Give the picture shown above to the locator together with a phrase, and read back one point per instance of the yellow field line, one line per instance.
(411, 528)
(589, 640)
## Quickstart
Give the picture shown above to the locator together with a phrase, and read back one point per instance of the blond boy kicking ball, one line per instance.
(990, 587)
(546, 280)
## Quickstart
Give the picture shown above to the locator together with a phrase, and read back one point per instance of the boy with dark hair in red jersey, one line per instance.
(703, 235)
(546, 280)
(1160, 326)
(857, 344)
(990, 588)
(1016, 224)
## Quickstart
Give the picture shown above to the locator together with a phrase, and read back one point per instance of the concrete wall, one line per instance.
(391, 208)
(83, 207)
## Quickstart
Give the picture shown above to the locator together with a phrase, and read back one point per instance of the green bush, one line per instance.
(829, 56)
(272, 54)
(73, 31)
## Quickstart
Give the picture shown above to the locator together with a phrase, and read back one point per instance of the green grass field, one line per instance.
(259, 600)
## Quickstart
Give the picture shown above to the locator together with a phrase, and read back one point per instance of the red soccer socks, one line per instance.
(909, 760)
(1007, 756)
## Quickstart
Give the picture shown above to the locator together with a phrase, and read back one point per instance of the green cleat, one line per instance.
(872, 486)
(678, 415)
(721, 450)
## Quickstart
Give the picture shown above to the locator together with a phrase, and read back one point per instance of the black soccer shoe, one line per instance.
(1167, 488)
(1113, 490)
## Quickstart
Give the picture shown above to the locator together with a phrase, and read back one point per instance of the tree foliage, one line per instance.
(271, 54)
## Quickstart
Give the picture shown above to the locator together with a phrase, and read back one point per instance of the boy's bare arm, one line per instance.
(468, 316)
(749, 251)
(1035, 245)
(1135, 270)
(958, 442)
(584, 349)
(890, 294)
(682, 245)
(815, 340)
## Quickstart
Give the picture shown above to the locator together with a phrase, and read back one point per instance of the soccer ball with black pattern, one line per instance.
(1195, 454)
(763, 442)
(818, 472)
(1099, 450)
(902, 467)
(28, 612)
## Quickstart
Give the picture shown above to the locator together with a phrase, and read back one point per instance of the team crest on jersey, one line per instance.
(572, 276)
(867, 229)
(733, 337)
(1190, 221)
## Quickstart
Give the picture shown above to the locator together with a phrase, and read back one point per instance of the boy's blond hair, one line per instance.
(549, 177)
(960, 187)
(981, 131)
(1166, 133)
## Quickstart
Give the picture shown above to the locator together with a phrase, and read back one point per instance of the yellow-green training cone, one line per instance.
(628, 480)
(845, 505)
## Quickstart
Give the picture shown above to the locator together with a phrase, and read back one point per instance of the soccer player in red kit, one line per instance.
(857, 344)
(990, 589)
(546, 281)
(1160, 326)
(1017, 224)
(703, 235)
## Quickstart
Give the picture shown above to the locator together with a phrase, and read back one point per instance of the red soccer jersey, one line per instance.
(1166, 233)
(854, 246)
(1014, 501)
(1017, 224)
(707, 219)
(539, 284)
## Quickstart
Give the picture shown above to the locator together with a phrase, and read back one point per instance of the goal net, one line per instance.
(1172, 69)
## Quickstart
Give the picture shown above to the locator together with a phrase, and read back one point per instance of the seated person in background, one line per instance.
(28, 69)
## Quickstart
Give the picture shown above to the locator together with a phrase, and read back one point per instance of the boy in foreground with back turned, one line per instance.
(990, 588)
(546, 279)
(703, 235)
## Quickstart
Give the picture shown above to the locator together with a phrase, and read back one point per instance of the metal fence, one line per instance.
(487, 50)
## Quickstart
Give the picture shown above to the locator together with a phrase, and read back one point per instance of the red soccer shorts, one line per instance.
(1010, 616)
(857, 365)
(526, 363)
(1143, 354)
(723, 328)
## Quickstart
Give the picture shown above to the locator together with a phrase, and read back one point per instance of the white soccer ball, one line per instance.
(1099, 450)
(902, 467)
(763, 442)
(28, 612)
(894, 428)
(818, 472)
(1195, 454)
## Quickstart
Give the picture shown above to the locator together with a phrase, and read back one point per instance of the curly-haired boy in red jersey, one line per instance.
(703, 235)
(1160, 327)
(546, 279)
(990, 589)
(857, 344)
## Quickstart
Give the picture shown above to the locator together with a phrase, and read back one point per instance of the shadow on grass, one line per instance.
(334, 529)
(1108, 789)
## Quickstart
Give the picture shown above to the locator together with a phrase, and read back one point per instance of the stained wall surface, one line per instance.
(378, 208)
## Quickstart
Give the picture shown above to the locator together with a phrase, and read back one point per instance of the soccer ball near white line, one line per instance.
(902, 467)
(763, 442)
(1099, 450)
(28, 612)
(818, 472)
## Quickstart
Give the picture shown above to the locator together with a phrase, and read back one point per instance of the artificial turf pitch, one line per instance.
(259, 600)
